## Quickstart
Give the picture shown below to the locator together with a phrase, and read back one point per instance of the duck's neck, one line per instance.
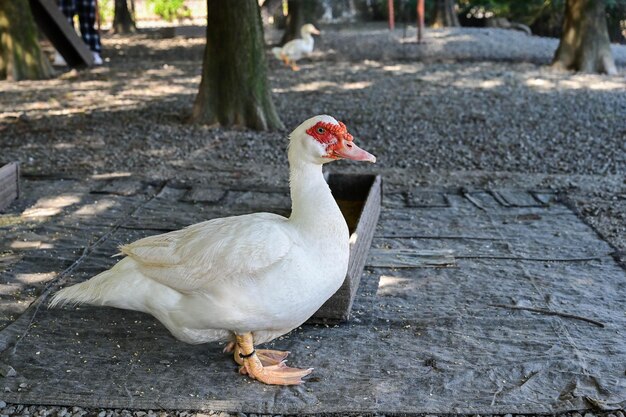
(308, 38)
(312, 204)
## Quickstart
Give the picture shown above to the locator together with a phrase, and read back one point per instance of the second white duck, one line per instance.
(297, 48)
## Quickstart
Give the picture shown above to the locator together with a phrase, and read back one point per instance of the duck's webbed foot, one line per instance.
(267, 357)
(267, 366)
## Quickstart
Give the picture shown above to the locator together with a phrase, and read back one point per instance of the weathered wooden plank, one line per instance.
(7, 259)
(411, 258)
(427, 199)
(544, 197)
(367, 190)
(9, 184)
(516, 198)
(123, 187)
(204, 195)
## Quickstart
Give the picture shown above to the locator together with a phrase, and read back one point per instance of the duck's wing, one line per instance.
(293, 49)
(231, 248)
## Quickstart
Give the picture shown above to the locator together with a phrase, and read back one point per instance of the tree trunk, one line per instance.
(123, 20)
(585, 42)
(234, 90)
(445, 14)
(20, 55)
(300, 12)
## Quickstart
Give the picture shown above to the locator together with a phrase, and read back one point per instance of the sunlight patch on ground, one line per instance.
(36, 277)
(30, 244)
(576, 82)
(401, 68)
(95, 208)
(321, 85)
(59, 98)
(540, 84)
(490, 84)
(47, 207)
(311, 86)
(387, 284)
(111, 175)
(10, 289)
(356, 85)
(63, 145)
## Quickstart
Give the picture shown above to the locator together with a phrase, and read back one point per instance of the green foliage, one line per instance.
(106, 8)
(170, 9)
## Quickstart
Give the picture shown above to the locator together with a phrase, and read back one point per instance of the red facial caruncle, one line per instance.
(338, 142)
(332, 136)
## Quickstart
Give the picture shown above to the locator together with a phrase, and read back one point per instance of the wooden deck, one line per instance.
(472, 301)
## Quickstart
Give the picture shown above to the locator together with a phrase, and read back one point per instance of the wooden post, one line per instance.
(9, 184)
(392, 22)
(420, 20)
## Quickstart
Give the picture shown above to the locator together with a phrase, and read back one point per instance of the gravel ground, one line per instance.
(471, 108)
(34, 411)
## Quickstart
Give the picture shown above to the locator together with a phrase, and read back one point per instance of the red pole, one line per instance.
(391, 16)
(420, 20)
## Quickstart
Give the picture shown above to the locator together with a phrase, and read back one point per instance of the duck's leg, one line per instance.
(279, 374)
(290, 63)
(266, 356)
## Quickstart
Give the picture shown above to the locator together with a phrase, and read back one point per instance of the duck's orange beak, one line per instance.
(348, 150)
(315, 31)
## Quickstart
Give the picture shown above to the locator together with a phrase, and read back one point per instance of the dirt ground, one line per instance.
(469, 109)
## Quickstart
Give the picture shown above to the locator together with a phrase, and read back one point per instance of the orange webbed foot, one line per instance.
(266, 365)
(271, 357)
(267, 357)
(279, 374)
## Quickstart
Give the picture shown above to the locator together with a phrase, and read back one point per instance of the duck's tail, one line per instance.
(88, 292)
(121, 286)
(278, 52)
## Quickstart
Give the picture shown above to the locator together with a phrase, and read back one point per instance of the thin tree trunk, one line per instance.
(445, 14)
(234, 90)
(585, 45)
(123, 19)
(21, 57)
(300, 12)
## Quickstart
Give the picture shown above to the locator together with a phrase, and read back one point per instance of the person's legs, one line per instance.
(68, 7)
(86, 10)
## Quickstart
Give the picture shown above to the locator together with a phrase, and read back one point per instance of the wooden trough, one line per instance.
(359, 197)
(9, 184)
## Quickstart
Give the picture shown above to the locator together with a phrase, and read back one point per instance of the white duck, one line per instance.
(297, 48)
(246, 279)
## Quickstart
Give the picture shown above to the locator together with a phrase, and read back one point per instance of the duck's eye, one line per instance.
(321, 130)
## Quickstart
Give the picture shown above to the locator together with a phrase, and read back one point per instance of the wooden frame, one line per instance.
(359, 196)
(9, 184)
(61, 34)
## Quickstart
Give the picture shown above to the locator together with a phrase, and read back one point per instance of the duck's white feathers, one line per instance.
(216, 250)
(297, 48)
(259, 273)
